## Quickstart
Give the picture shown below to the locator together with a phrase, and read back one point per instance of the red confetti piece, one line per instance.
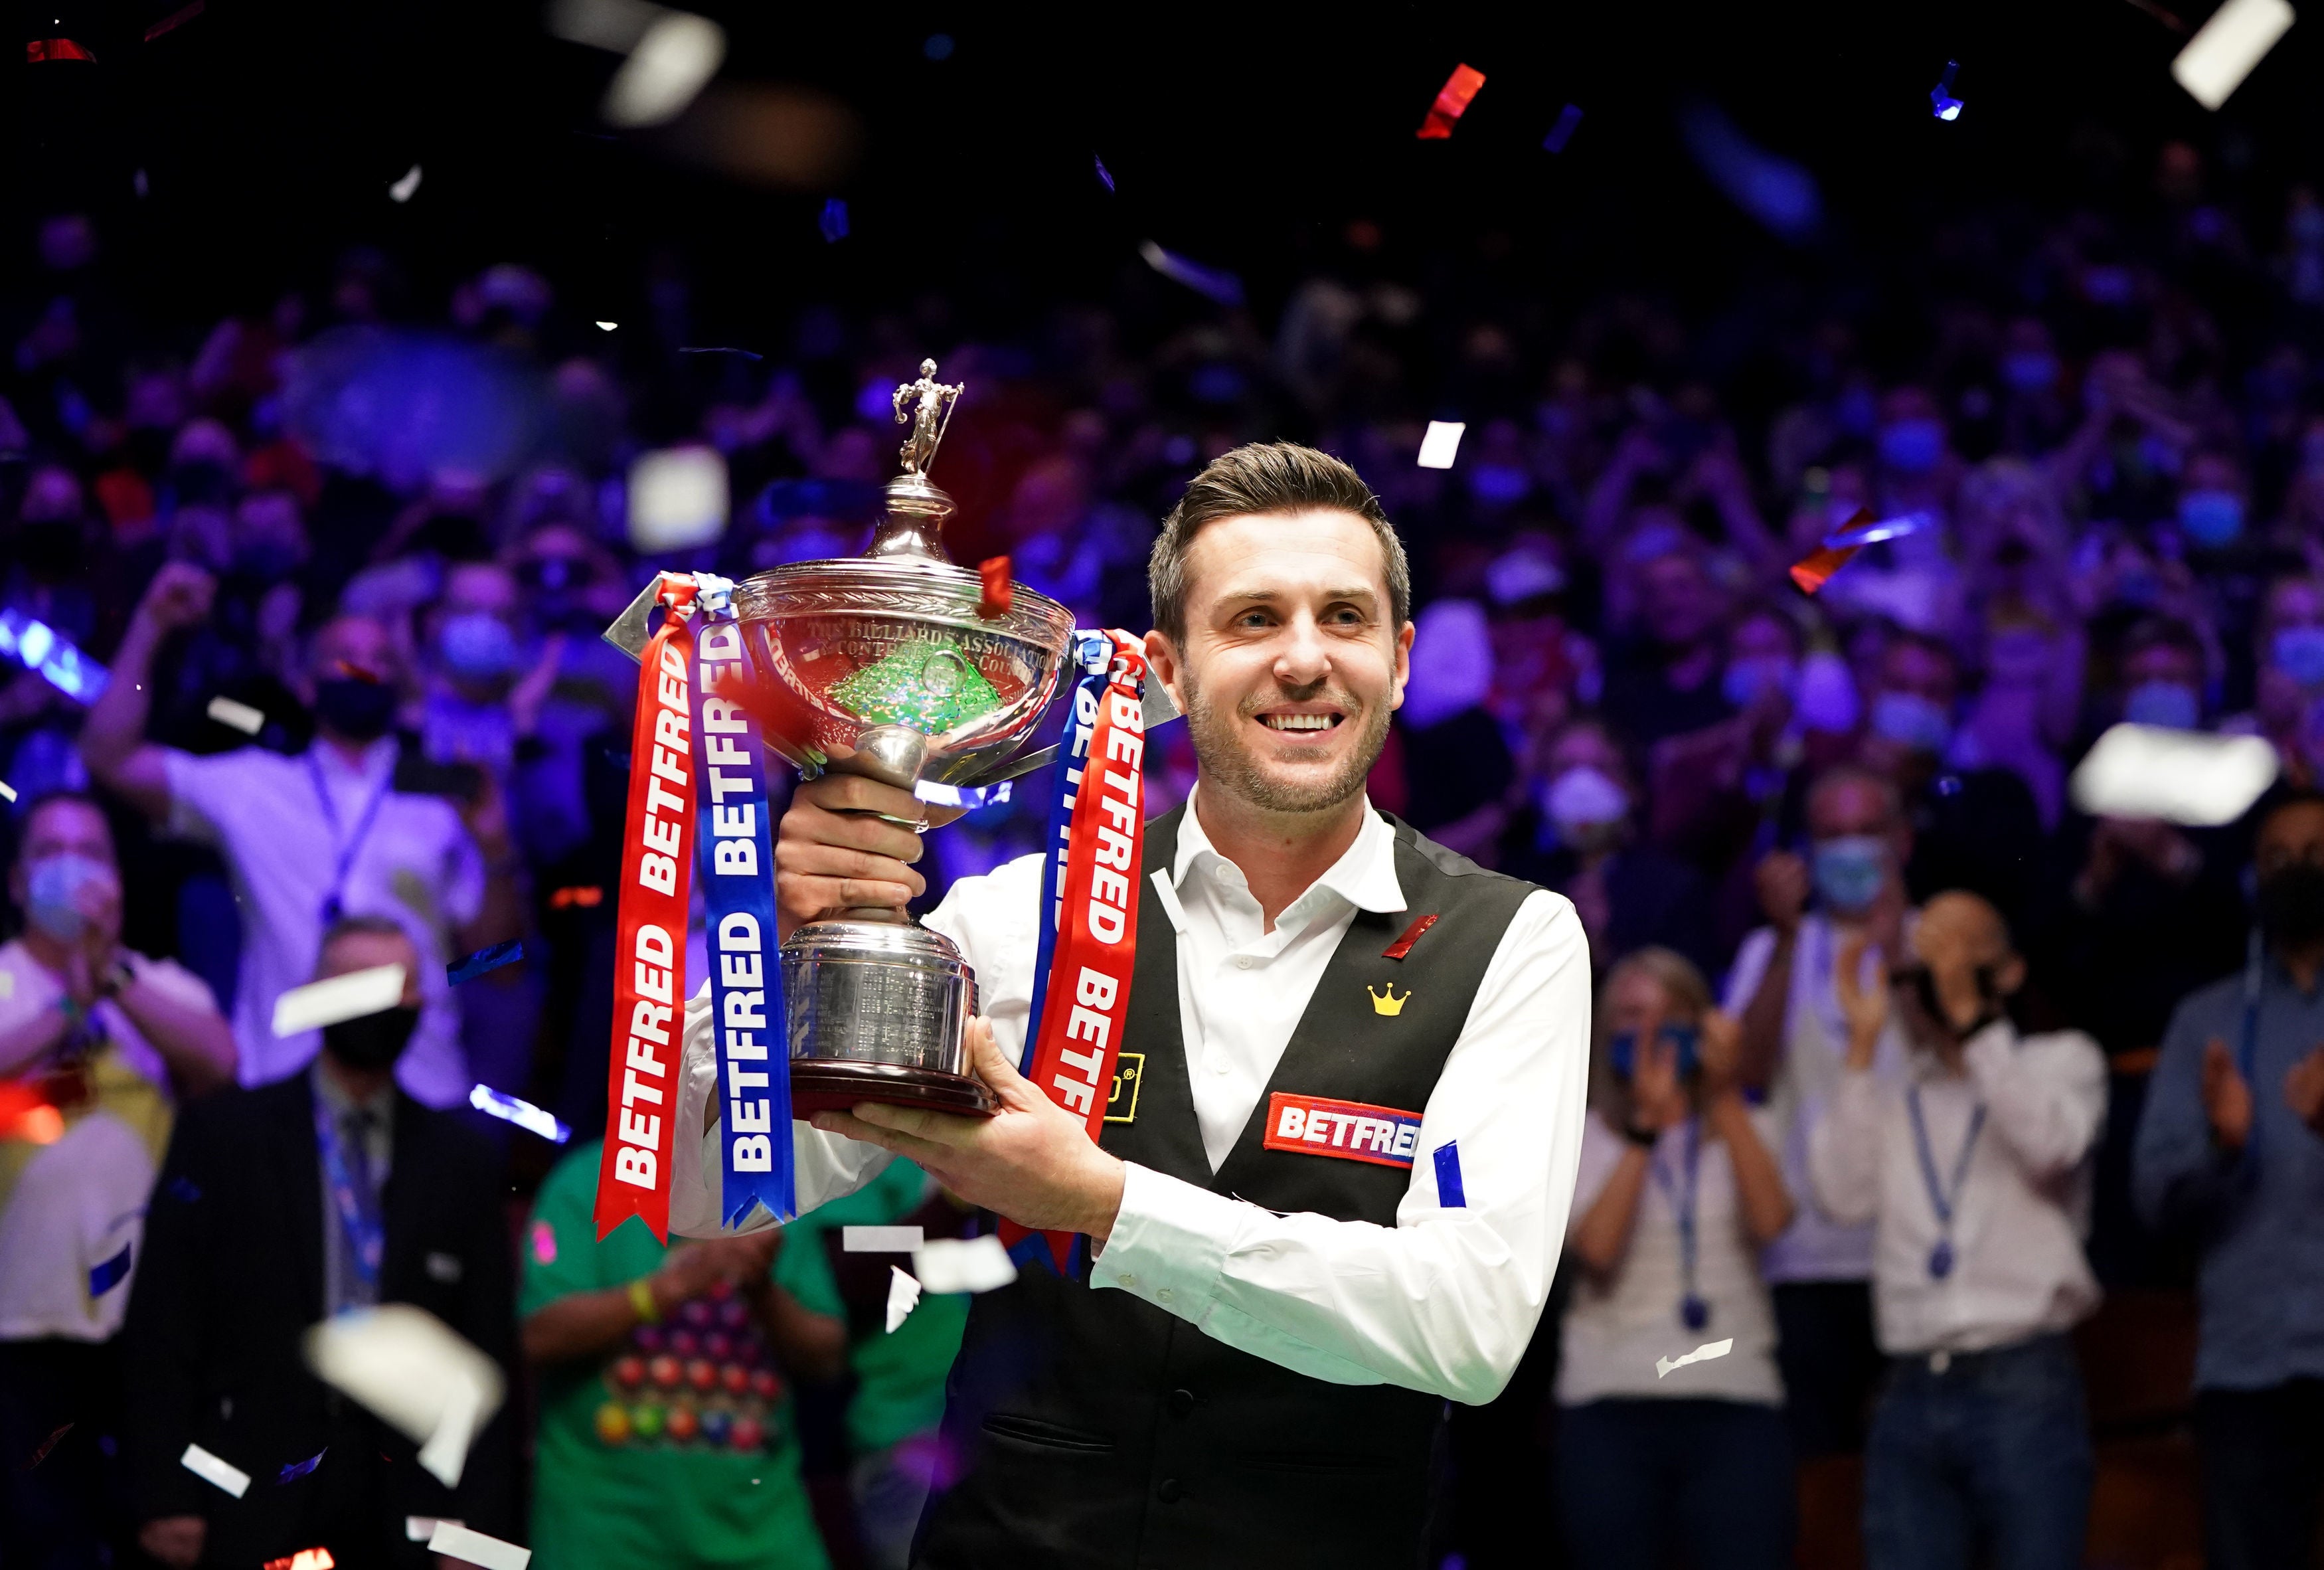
(586, 898)
(304, 1559)
(998, 594)
(175, 19)
(1814, 570)
(48, 1445)
(347, 668)
(1452, 103)
(1403, 945)
(41, 49)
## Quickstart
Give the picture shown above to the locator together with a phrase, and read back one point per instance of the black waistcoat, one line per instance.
(1095, 1431)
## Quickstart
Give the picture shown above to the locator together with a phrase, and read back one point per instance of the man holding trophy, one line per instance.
(1310, 1085)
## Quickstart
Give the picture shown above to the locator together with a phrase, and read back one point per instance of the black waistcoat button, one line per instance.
(1182, 1403)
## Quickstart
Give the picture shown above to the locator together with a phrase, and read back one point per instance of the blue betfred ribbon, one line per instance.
(1093, 656)
(733, 837)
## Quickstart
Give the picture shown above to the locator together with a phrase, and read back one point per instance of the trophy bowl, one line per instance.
(884, 667)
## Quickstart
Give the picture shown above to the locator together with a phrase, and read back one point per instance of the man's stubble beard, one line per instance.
(1223, 762)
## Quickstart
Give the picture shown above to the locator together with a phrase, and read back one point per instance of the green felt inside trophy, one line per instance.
(931, 687)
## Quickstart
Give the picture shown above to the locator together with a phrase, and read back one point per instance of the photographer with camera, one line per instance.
(1976, 1174)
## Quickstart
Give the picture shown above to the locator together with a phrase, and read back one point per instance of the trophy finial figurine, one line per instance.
(932, 404)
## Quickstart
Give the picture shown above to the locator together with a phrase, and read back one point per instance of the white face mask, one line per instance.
(1586, 805)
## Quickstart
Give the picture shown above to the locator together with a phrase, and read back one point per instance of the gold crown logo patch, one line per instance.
(1387, 1002)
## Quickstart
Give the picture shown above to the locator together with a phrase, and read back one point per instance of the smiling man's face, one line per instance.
(1292, 661)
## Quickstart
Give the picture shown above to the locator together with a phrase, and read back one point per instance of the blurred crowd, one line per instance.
(392, 528)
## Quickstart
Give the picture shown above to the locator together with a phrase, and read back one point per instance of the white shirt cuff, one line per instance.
(1169, 1242)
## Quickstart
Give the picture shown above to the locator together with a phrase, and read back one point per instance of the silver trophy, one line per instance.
(885, 665)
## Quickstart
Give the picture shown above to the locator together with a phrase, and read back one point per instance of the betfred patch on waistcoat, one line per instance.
(1353, 1131)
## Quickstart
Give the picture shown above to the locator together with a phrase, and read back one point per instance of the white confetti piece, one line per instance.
(976, 1264)
(883, 1240)
(210, 1468)
(241, 716)
(1442, 442)
(677, 499)
(1702, 1354)
(403, 189)
(351, 996)
(478, 1547)
(420, 1529)
(2225, 48)
(446, 1454)
(676, 59)
(606, 327)
(2181, 776)
(903, 1297)
(416, 1373)
(7, 791)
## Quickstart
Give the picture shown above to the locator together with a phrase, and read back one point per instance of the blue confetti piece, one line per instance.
(1561, 133)
(1942, 102)
(1103, 173)
(968, 796)
(105, 1278)
(1215, 284)
(1449, 1195)
(183, 1189)
(1873, 533)
(298, 1469)
(834, 222)
(722, 350)
(522, 1114)
(485, 959)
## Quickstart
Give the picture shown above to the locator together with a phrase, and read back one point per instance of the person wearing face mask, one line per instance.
(1783, 990)
(105, 1042)
(323, 1193)
(1973, 827)
(1677, 1191)
(2230, 1157)
(326, 834)
(1580, 840)
(2288, 648)
(1976, 1174)
(489, 705)
(2211, 512)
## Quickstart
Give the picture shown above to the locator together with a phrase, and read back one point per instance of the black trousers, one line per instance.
(70, 1511)
(1830, 1362)
(2262, 1455)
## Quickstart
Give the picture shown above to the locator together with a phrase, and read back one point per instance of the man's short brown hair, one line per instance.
(1253, 480)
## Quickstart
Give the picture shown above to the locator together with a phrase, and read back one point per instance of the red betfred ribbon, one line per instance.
(641, 1073)
(1085, 1004)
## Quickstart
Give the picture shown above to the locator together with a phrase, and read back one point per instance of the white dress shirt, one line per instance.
(2024, 1206)
(1445, 1300)
(417, 864)
(1814, 1247)
(1619, 1326)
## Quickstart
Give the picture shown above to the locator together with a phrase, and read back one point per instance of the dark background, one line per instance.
(1247, 136)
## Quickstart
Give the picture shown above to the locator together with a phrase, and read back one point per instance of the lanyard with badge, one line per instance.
(1693, 1310)
(1942, 1197)
(365, 1232)
(334, 906)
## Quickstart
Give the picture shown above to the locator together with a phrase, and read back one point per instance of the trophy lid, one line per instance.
(916, 508)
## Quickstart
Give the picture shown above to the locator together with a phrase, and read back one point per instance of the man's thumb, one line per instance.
(993, 1063)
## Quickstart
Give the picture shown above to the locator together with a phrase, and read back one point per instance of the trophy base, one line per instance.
(836, 1085)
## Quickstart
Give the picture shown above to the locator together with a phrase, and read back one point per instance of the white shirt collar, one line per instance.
(1364, 875)
(378, 759)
